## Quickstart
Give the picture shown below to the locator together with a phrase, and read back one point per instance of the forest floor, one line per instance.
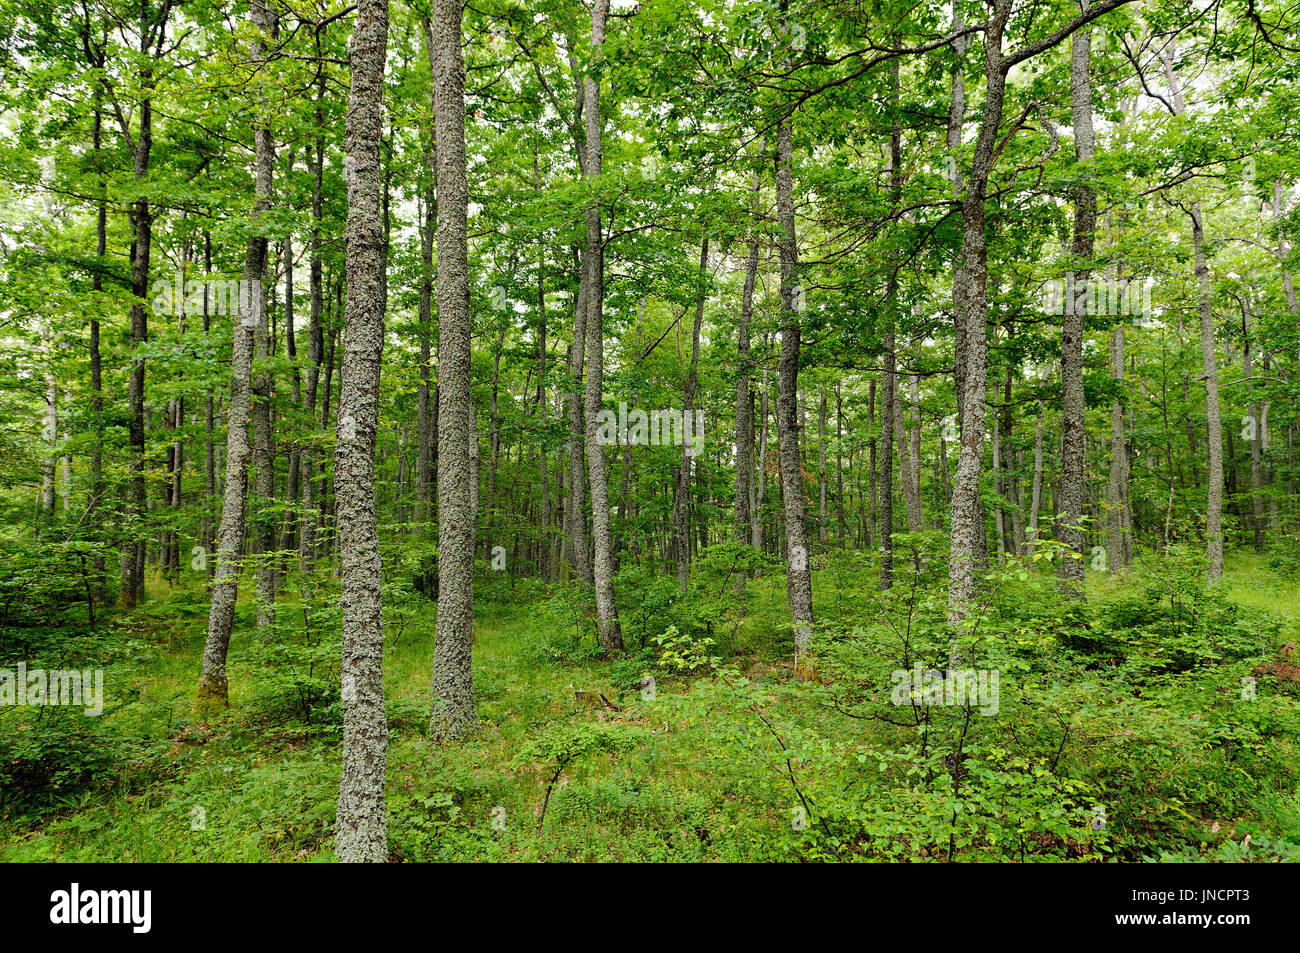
(731, 760)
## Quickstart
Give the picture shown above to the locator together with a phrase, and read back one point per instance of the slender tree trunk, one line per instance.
(209, 424)
(839, 466)
(50, 433)
(545, 551)
(575, 500)
(1036, 494)
(821, 470)
(133, 553)
(798, 568)
(494, 434)
(611, 635)
(289, 533)
(970, 304)
(455, 715)
(873, 528)
(97, 487)
(1072, 400)
(308, 549)
(906, 465)
(213, 691)
(1214, 442)
(760, 493)
(681, 498)
(263, 432)
(424, 420)
(1255, 431)
(1115, 495)
(361, 831)
(744, 402)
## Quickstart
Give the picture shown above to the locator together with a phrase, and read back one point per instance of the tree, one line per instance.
(213, 691)
(454, 713)
(361, 835)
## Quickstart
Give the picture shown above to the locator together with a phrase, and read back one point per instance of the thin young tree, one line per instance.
(213, 691)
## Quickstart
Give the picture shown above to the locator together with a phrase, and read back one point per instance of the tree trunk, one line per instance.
(611, 635)
(97, 488)
(311, 494)
(455, 715)
(681, 498)
(1214, 442)
(970, 305)
(575, 500)
(1036, 494)
(142, 219)
(798, 568)
(839, 466)
(361, 832)
(760, 492)
(1072, 402)
(1254, 431)
(744, 403)
(213, 691)
(1118, 480)
(821, 470)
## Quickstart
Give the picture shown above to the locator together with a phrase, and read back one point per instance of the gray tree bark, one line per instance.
(213, 691)
(455, 715)
(1070, 531)
(798, 567)
(970, 305)
(611, 635)
(744, 413)
(361, 831)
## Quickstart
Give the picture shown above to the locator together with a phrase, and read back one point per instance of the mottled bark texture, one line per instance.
(798, 567)
(970, 307)
(361, 832)
(611, 635)
(263, 436)
(744, 408)
(455, 715)
(1070, 531)
(213, 691)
